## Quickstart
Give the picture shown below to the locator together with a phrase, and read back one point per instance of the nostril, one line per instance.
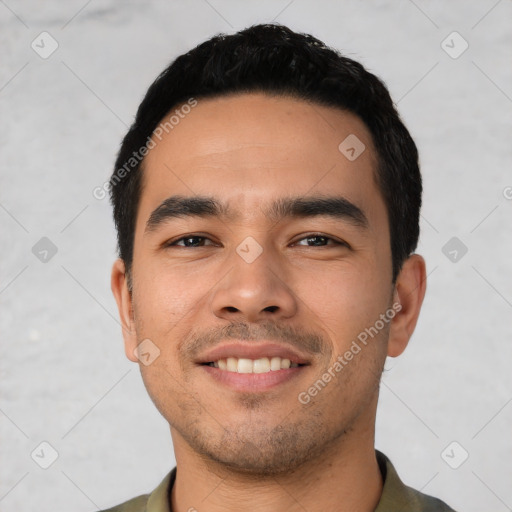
(272, 309)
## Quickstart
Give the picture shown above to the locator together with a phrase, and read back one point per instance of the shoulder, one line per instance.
(397, 496)
(158, 500)
(137, 504)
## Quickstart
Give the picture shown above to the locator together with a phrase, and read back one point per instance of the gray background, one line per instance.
(64, 376)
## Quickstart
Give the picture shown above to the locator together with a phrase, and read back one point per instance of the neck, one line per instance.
(345, 478)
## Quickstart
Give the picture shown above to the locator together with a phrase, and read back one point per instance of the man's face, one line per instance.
(247, 279)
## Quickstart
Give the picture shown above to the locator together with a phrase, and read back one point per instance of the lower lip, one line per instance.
(252, 382)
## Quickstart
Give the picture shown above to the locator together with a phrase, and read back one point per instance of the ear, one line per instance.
(119, 286)
(410, 288)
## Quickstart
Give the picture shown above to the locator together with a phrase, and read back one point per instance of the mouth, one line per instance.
(260, 365)
(252, 367)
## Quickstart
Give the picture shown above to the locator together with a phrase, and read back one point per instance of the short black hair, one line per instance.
(273, 59)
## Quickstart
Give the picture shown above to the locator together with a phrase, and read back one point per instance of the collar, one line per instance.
(394, 492)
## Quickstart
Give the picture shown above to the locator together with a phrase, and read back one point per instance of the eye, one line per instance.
(189, 241)
(320, 240)
(312, 240)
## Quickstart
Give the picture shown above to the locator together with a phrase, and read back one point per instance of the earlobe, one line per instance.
(408, 297)
(119, 286)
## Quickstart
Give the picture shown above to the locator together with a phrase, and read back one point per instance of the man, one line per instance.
(267, 202)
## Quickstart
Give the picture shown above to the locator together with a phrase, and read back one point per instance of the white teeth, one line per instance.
(232, 364)
(262, 365)
(244, 366)
(275, 363)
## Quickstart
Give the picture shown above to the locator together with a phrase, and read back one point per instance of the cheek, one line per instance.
(165, 387)
(345, 299)
(163, 298)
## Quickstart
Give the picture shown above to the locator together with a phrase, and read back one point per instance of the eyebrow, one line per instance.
(336, 207)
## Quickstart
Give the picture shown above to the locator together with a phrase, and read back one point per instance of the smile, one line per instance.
(261, 365)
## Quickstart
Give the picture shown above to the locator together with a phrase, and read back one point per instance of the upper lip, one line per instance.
(252, 350)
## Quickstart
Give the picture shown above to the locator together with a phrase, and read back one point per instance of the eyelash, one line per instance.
(311, 235)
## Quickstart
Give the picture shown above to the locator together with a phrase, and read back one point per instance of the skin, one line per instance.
(267, 451)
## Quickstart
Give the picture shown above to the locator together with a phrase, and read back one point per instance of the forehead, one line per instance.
(251, 149)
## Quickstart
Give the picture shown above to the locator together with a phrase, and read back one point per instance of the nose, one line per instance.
(254, 291)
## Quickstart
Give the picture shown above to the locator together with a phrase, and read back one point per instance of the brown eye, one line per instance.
(319, 241)
(189, 241)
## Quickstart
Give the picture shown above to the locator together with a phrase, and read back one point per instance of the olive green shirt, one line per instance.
(396, 497)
